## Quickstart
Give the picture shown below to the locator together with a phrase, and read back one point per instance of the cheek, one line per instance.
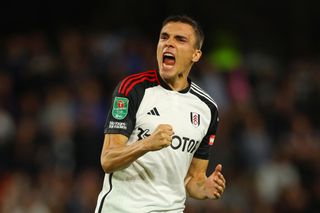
(159, 47)
(159, 52)
(187, 56)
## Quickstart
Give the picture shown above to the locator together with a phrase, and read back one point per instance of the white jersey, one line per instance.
(155, 181)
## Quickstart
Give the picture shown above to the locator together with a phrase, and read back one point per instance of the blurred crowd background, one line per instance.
(60, 63)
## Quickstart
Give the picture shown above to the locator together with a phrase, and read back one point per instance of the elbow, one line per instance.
(106, 165)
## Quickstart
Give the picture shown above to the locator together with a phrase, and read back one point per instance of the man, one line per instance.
(159, 132)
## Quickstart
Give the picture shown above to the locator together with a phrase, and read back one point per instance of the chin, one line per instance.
(167, 73)
(168, 69)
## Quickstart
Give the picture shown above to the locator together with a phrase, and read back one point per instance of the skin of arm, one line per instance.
(117, 154)
(199, 186)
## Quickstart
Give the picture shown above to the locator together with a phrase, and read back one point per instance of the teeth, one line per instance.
(168, 54)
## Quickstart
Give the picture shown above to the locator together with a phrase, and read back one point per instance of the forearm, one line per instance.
(118, 154)
(117, 158)
(195, 187)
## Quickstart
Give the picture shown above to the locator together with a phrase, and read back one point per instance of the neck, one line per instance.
(179, 83)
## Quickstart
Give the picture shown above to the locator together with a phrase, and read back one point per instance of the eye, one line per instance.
(164, 36)
(181, 39)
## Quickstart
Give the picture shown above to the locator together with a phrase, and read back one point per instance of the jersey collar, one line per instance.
(166, 86)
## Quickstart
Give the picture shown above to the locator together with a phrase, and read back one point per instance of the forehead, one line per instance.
(178, 28)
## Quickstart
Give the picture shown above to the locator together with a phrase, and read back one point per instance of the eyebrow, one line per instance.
(179, 37)
(164, 34)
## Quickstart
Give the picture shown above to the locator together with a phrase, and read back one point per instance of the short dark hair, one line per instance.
(188, 20)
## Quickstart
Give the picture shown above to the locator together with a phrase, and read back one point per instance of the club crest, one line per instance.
(195, 119)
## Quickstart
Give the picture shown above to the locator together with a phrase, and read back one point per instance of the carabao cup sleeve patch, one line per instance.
(120, 108)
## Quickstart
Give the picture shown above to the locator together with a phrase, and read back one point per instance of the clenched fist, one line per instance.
(160, 138)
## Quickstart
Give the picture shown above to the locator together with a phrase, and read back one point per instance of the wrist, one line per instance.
(145, 145)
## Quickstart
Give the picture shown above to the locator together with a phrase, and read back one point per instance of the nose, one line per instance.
(169, 42)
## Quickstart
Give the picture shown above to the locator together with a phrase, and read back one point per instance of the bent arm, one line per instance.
(196, 178)
(116, 154)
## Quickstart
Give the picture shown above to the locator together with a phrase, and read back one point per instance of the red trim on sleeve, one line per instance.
(130, 77)
(129, 82)
(139, 81)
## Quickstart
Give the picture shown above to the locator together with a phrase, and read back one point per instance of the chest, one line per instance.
(188, 115)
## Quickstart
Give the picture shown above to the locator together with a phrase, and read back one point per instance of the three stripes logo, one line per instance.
(154, 111)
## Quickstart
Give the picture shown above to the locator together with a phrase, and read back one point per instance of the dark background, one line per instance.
(288, 28)
(59, 64)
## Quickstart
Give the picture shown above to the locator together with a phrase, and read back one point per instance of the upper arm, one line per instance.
(113, 141)
(121, 116)
(126, 100)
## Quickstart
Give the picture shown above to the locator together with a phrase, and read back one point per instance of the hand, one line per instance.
(160, 138)
(215, 184)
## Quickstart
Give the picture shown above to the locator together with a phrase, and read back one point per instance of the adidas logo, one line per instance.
(154, 111)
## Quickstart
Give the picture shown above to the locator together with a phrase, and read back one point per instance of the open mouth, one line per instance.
(168, 59)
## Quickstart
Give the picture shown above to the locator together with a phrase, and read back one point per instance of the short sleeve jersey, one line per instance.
(155, 181)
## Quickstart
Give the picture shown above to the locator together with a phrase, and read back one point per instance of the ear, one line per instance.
(196, 55)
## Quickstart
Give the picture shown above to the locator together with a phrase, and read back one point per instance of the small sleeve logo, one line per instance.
(120, 108)
(211, 139)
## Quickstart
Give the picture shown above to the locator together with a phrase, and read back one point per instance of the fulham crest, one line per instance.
(195, 119)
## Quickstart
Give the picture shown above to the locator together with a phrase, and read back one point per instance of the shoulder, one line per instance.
(203, 96)
(140, 80)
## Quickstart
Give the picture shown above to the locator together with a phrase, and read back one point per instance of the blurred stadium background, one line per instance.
(60, 62)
